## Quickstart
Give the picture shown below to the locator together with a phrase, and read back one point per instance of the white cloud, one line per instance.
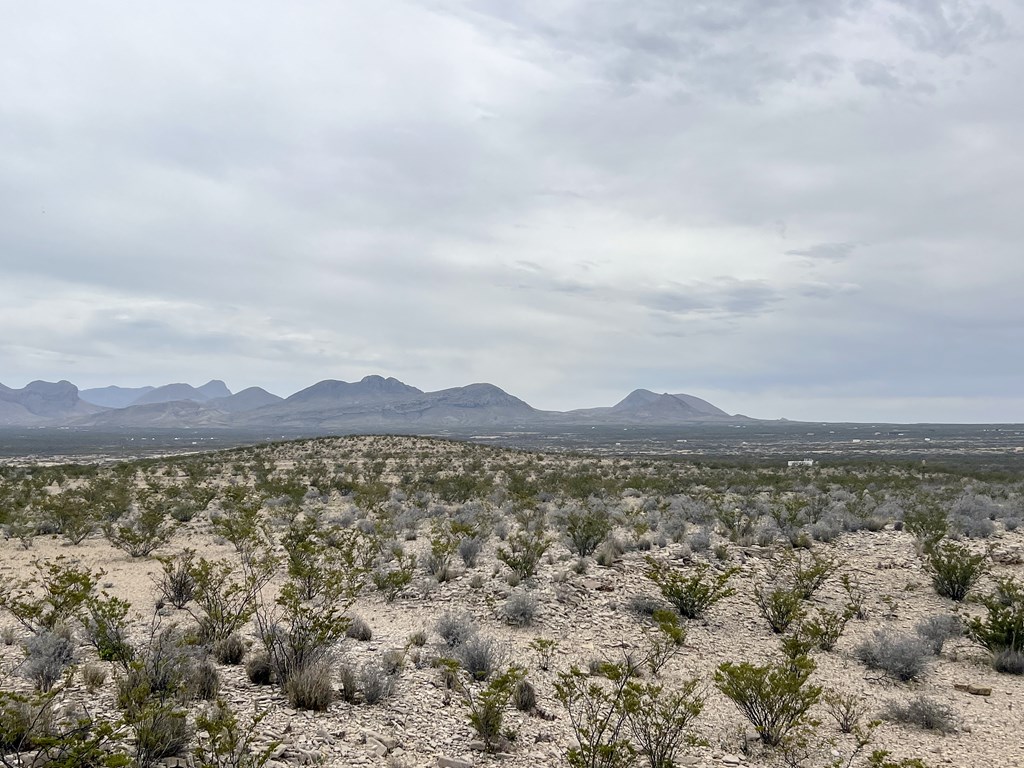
(790, 205)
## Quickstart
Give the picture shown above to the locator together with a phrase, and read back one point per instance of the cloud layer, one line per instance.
(793, 208)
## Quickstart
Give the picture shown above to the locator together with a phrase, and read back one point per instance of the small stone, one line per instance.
(453, 762)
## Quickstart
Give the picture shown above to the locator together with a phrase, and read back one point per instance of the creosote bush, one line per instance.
(694, 593)
(775, 698)
(1001, 630)
(954, 569)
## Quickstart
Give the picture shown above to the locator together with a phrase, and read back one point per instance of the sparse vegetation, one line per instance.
(309, 524)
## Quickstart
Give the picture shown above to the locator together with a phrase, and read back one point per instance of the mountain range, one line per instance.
(371, 403)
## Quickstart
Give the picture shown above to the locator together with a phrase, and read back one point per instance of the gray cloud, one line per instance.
(570, 200)
(836, 251)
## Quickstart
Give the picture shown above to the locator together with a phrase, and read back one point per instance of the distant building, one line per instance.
(801, 463)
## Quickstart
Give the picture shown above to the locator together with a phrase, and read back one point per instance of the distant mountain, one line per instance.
(170, 393)
(113, 397)
(372, 403)
(376, 402)
(247, 400)
(42, 401)
(641, 406)
(180, 414)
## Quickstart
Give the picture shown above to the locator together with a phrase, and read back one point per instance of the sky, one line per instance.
(810, 209)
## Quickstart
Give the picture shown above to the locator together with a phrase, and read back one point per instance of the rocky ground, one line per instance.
(591, 615)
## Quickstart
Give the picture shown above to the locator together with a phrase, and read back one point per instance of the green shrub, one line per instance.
(1002, 628)
(586, 529)
(177, 584)
(954, 570)
(847, 709)
(596, 717)
(144, 531)
(692, 595)
(51, 596)
(928, 523)
(658, 718)
(775, 698)
(527, 545)
(226, 594)
(225, 742)
(106, 626)
(781, 606)
(487, 706)
(390, 581)
(827, 627)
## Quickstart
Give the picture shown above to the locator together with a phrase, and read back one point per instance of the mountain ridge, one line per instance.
(373, 402)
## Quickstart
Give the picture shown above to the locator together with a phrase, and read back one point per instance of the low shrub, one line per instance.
(519, 609)
(93, 677)
(359, 630)
(524, 696)
(375, 683)
(230, 650)
(349, 682)
(479, 656)
(160, 731)
(455, 629)
(205, 680)
(47, 655)
(902, 657)
(418, 638)
(258, 669)
(469, 550)
(309, 688)
(1008, 661)
(922, 712)
(936, 630)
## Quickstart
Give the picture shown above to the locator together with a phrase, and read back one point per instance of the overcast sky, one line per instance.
(810, 209)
